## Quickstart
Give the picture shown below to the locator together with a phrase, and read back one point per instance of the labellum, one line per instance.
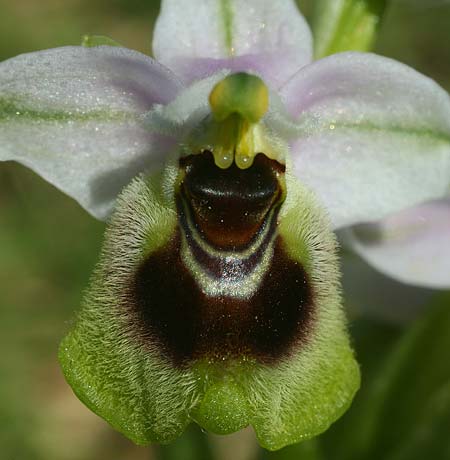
(216, 298)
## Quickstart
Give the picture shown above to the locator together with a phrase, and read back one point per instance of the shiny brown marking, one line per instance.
(173, 312)
(227, 209)
(229, 206)
(220, 267)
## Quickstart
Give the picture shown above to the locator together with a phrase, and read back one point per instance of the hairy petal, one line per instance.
(412, 246)
(269, 38)
(74, 115)
(374, 135)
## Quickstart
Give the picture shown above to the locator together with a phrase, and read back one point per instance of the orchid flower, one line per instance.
(228, 161)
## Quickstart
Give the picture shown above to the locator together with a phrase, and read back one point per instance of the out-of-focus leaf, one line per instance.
(429, 436)
(346, 25)
(404, 414)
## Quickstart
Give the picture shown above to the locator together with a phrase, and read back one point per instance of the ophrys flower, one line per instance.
(216, 298)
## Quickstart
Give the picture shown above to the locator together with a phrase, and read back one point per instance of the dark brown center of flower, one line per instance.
(224, 286)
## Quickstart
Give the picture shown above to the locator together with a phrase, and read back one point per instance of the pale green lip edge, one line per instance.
(87, 397)
(354, 376)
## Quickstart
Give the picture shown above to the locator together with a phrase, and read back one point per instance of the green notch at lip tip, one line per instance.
(224, 408)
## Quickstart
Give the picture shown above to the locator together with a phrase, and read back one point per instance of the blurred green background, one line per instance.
(49, 245)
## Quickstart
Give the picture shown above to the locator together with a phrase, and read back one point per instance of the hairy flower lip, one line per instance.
(168, 372)
(357, 126)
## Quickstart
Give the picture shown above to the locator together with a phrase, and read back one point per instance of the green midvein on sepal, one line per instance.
(26, 110)
(124, 364)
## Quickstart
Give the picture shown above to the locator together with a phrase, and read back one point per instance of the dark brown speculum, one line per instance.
(229, 206)
(224, 286)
